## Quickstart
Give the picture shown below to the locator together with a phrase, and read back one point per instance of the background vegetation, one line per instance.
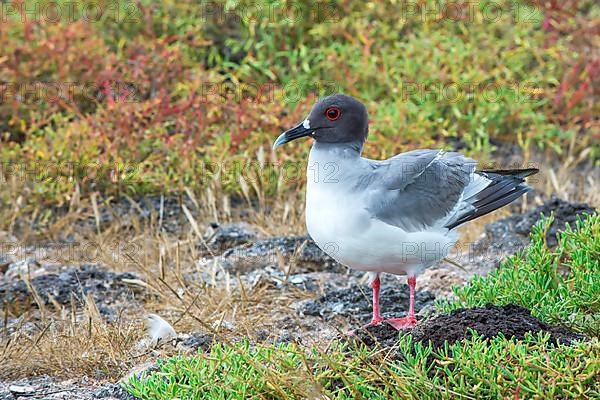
(135, 97)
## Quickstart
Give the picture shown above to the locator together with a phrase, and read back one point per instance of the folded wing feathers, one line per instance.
(438, 189)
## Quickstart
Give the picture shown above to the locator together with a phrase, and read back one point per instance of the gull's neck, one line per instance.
(335, 151)
(332, 165)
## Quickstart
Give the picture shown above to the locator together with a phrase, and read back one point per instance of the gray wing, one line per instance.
(419, 189)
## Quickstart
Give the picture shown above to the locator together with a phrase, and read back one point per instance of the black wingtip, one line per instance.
(505, 187)
(493, 206)
(519, 173)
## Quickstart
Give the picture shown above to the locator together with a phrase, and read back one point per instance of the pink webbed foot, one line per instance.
(402, 323)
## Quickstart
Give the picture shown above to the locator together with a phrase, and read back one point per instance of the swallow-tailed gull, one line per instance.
(397, 215)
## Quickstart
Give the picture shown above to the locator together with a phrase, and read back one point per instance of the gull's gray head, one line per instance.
(333, 119)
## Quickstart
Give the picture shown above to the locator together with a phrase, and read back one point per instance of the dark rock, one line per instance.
(5, 261)
(284, 338)
(21, 267)
(512, 233)
(564, 213)
(112, 391)
(71, 284)
(306, 282)
(281, 280)
(261, 336)
(511, 320)
(230, 235)
(356, 304)
(141, 371)
(268, 252)
(197, 340)
(47, 388)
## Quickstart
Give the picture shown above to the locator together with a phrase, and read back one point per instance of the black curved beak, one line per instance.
(292, 134)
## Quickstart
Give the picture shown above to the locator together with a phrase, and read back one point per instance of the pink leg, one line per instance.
(377, 319)
(412, 283)
(376, 284)
(410, 320)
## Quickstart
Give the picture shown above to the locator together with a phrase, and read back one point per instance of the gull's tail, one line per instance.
(504, 187)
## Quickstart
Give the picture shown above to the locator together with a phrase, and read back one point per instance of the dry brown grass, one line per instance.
(68, 343)
(64, 341)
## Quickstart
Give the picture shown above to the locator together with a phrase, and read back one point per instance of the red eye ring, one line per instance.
(333, 113)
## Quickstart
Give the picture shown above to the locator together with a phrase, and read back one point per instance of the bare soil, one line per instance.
(510, 320)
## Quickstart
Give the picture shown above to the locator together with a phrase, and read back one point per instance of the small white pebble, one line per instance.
(21, 389)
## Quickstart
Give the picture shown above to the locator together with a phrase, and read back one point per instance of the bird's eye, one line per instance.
(333, 113)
